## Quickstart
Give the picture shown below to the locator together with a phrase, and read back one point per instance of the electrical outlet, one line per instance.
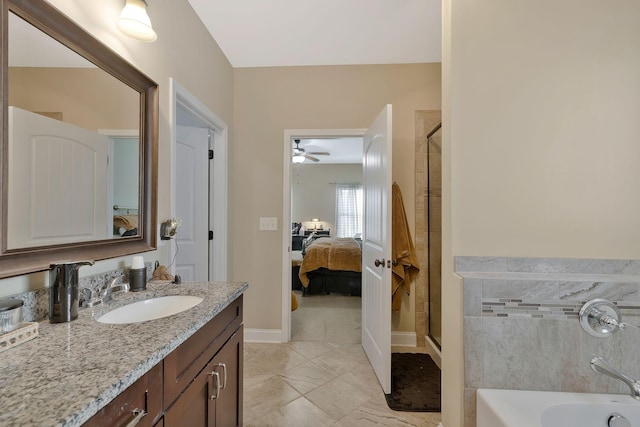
(268, 223)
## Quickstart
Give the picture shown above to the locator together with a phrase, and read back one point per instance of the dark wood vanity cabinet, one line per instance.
(198, 384)
(196, 393)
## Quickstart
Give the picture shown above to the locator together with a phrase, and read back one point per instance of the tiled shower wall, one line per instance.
(521, 328)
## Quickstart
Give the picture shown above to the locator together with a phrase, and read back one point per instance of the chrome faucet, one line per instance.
(103, 294)
(601, 366)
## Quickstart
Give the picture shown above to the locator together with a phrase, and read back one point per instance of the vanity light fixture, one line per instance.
(134, 21)
(298, 159)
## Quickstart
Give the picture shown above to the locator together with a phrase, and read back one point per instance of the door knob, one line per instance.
(379, 262)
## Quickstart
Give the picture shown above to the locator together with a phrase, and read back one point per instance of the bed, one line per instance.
(332, 265)
(125, 225)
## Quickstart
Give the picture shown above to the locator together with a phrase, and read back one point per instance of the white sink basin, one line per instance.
(154, 308)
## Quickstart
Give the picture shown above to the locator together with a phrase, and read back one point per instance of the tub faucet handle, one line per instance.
(600, 318)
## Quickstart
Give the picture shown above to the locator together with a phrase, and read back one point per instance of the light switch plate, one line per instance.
(268, 223)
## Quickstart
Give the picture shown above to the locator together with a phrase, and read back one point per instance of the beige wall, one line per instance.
(313, 191)
(87, 97)
(270, 100)
(541, 140)
(185, 51)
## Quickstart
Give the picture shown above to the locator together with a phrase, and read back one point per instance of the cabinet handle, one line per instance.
(138, 416)
(224, 374)
(217, 387)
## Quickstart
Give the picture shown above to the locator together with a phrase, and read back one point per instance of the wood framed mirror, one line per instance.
(72, 188)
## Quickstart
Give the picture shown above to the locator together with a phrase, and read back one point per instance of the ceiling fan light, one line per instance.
(297, 158)
(134, 21)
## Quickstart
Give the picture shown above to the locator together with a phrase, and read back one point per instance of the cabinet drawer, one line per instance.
(146, 393)
(183, 364)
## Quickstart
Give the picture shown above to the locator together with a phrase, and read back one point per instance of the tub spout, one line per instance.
(601, 366)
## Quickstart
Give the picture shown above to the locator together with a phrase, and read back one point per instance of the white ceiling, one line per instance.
(265, 33)
(272, 33)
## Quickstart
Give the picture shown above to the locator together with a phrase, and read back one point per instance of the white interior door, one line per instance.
(192, 203)
(62, 169)
(376, 247)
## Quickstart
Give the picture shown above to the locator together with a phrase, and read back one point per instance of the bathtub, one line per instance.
(521, 408)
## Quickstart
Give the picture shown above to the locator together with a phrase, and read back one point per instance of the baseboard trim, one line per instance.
(263, 335)
(403, 339)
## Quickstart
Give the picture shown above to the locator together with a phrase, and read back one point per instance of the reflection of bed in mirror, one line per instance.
(125, 224)
(332, 265)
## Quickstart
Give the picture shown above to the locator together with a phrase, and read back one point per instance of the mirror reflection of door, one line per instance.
(59, 192)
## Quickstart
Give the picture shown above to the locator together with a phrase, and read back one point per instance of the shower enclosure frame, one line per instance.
(431, 228)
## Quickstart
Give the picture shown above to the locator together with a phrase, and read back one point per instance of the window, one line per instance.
(348, 209)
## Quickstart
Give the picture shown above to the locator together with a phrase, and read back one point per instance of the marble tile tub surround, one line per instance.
(71, 370)
(36, 303)
(521, 328)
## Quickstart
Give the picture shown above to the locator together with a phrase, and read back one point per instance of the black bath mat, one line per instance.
(415, 383)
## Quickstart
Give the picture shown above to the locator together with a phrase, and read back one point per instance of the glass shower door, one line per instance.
(434, 235)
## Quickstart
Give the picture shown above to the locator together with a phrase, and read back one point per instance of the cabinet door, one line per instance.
(193, 407)
(228, 404)
(210, 400)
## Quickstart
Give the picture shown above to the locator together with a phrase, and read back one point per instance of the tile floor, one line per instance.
(322, 377)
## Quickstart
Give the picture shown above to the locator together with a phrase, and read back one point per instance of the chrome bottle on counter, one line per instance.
(63, 290)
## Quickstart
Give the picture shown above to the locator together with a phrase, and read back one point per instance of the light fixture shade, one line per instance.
(297, 159)
(135, 22)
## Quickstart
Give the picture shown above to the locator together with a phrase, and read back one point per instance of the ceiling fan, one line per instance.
(299, 154)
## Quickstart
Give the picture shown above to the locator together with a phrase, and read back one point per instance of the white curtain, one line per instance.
(348, 209)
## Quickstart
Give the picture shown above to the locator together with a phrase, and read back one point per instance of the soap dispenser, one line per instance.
(63, 290)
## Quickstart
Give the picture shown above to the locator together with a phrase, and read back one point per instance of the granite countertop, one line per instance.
(71, 370)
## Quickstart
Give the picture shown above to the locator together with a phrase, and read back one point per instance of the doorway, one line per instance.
(208, 132)
(289, 183)
(375, 247)
(123, 199)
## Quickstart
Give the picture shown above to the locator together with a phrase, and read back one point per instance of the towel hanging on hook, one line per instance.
(405, 261)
